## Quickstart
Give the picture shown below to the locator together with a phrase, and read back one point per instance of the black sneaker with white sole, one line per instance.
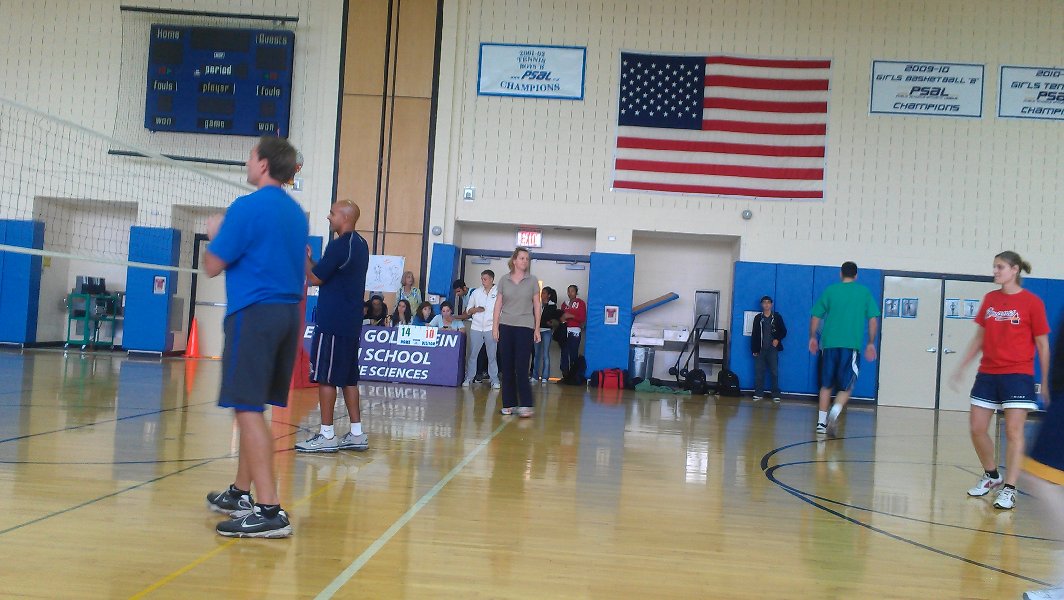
(230, 501)
(256, 524)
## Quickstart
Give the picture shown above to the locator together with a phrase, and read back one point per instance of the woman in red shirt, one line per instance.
(1012, 325)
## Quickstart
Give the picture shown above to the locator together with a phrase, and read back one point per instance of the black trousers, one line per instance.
(515, 358)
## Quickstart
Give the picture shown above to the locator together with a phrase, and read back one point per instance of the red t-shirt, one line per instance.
(578, 308)
(1010, 323)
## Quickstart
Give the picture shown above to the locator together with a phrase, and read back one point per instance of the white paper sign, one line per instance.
(385, 273)
(532, 71)
(1031, 93)
(748, 321)
(925, 88)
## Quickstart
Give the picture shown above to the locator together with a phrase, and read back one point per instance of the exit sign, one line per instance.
(530, 238)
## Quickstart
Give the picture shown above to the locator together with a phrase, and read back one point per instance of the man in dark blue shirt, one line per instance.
(341, 277)
(260, 246)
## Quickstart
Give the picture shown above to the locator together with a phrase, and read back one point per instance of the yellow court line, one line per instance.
(205, 557)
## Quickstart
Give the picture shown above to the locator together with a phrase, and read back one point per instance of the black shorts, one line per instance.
(334, 359)
(260, 349)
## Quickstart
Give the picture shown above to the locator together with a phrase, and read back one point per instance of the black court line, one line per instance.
(128, 489)
(95, 423)
(895, 515)
(770, 474)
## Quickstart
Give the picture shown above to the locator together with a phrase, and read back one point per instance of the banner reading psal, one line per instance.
(532, 71)
(1031, 93)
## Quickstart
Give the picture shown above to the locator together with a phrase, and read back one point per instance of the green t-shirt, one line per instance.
(845, 309)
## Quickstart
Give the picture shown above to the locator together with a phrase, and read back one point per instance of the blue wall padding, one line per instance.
(147, 314)
(794, 289)
(610, 283)
(20, 281)
(752, 281)
(665, 299)
(443, 270)
(794, 300)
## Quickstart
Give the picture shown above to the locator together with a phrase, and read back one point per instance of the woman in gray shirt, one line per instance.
(516, 329)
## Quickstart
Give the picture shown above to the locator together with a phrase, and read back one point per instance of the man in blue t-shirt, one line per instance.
(260, 245)
(341, 277)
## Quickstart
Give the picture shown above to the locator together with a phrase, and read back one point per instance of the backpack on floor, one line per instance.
(727, 383)
(611, 379)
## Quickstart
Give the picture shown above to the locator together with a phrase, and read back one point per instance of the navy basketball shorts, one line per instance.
(1000, 391)
(1047, 453)
(261, 341)
(839, 368)
(334, 359)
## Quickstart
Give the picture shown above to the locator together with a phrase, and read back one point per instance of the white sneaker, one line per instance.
(524, 412)
(496, 386)
(467, 383)
(821, 428)
(506, 411)
(1006, 498)
(832, 426)
(777, 399)
(756, 398)
(985, 484)
(544, 380)
(1050, 593)
(354, 442)
(532, 380)
(318, 443)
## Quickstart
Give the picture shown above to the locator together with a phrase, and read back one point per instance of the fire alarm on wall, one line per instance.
(469, 193)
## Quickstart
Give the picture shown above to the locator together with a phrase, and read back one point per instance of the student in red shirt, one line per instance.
(574, 315)
(1012, 324)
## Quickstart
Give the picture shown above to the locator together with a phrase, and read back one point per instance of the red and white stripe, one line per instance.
(764, 125)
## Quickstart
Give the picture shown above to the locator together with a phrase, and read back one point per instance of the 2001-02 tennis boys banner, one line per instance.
(722, 125)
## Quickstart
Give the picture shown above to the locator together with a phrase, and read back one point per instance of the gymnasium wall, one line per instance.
(901, 192)
(66, 59)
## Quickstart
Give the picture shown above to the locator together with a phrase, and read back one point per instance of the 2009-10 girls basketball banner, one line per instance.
(927, 88)
(722, 125)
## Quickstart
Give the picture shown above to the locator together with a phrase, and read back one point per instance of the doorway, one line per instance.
(927, 323)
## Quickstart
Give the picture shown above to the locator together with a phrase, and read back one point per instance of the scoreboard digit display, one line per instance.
(219, 81)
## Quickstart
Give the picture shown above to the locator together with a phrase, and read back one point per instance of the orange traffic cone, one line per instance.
(192, 348)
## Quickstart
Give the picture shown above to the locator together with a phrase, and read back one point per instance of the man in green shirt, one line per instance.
(845, 308)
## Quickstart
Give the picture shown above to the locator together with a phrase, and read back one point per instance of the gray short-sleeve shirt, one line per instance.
(517, 301)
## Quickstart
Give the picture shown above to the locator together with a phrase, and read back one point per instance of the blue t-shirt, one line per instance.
(342, 272)
(263, 242)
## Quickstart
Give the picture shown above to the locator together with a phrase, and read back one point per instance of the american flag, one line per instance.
(722, 125)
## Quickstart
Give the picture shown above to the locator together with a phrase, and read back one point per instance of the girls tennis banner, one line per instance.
(1031, 93)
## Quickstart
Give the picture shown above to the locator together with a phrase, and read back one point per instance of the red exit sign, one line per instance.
(530, 238)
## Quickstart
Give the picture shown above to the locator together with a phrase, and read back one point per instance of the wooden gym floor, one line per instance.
(104, 463)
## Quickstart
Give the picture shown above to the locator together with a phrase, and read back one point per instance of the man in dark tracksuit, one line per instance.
(766, 342)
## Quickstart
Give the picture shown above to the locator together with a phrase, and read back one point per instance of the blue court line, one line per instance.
(770, 475)
(379, 543)
(895, 515)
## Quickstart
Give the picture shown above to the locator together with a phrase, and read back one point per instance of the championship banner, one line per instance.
(1031, 93)
(925, 88)
(532, 71)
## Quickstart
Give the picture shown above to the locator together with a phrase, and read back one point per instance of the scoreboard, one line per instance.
(219, 81)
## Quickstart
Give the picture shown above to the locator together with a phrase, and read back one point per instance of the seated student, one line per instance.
(402, 315)
(376, 311)
(424, 315)
(446, 319)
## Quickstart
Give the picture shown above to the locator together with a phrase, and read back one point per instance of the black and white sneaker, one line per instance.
(257, 524)
(230, 501)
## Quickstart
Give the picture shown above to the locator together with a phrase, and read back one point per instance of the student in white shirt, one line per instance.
(480, 310)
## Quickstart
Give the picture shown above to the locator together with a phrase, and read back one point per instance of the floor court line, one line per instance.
(352, 569)
(208, 555)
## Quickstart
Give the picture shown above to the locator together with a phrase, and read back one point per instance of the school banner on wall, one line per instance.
(926, 88)
(532, 71)
(1031, 93)
(381, 357)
